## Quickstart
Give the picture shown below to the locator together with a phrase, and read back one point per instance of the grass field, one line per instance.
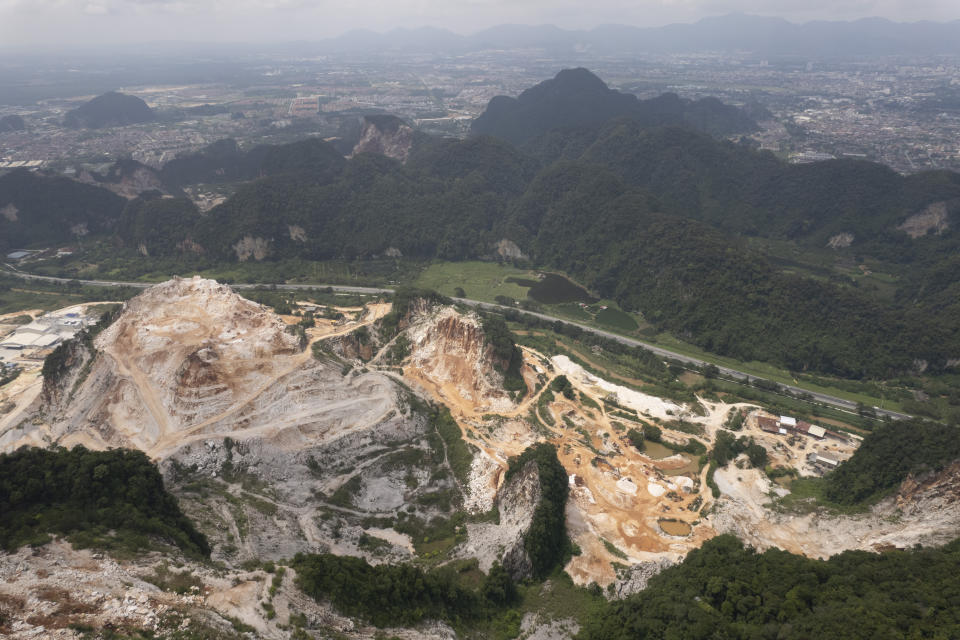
(482, 281)
(22, 299)
(617, 319)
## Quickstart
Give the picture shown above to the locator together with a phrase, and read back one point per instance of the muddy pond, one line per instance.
(657, 451)
(675, 527)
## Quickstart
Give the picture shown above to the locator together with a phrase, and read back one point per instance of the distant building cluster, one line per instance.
(785, 425)
(36, 339)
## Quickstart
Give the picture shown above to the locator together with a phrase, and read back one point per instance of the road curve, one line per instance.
(833, 401)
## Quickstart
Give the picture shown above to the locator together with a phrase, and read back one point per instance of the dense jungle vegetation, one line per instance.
(400, 594)
(724, 590)
(112, 499)
(888, 455)
(661, 219)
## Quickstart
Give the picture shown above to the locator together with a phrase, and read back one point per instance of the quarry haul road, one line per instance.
(823, 398)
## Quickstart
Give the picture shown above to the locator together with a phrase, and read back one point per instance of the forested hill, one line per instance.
(224, 161)
(110, 110)
(889, 455)
(37, 209)
(658, 218)
(651, 218)
(724, 590)
(12, 123)
(577, 98)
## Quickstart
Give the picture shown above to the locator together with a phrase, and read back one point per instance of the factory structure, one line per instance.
(36, 339)
(786, 425)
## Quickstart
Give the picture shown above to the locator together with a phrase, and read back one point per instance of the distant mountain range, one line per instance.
(730, 33)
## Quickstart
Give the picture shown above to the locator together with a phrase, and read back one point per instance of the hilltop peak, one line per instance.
(578, 98)
(112, 109)
(580, 78)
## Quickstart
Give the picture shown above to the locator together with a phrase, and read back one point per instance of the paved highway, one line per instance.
(833, 401)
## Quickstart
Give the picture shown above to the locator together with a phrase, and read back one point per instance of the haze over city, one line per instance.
(98, 22)
(479, 319)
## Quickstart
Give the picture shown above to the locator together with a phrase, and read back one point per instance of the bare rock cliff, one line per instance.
(517, 501)
(449, 349)
(386, 135)
(189, 359)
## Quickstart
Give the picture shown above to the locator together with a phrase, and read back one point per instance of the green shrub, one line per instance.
(724, 590)
(88, 494)
(888, 455)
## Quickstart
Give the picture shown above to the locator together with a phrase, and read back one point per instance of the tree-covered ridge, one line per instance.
(159, 226)
(507, 356)
(39, 209)
(224, 161)
(655, 218)
(724, 590)
(701, 284)
(577, 98)
(888, 455)
(546, 540)
(111, 109)
(400, 595)
(619, 220)
(103, 498)
(754, 193)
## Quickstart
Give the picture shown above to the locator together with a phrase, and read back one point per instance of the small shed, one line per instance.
(817, 432)
(827, 460)
(768, 424)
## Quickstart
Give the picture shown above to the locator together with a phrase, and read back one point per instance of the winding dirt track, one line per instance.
(601, 510)
(172, 436)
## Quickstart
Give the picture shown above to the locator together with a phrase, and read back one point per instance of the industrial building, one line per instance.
(41, 334)
(786, 425)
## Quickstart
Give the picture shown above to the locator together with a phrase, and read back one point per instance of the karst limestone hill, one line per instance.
(189, 359)
(442, 349)
(385, 135)
(231, 403)
(450, 350)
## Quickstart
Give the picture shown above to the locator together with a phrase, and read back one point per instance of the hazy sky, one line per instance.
(46, 22)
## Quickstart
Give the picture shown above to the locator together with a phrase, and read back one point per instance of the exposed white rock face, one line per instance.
(636, 578)
(509, 250)
(10, 212)
(840, 241)
(934, 219)
(190, 358)
(503, 542)
(925, 511)
(449, 349)
(250, 247)
(385, 135)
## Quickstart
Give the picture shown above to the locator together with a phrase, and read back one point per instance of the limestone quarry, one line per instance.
(279, 438)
